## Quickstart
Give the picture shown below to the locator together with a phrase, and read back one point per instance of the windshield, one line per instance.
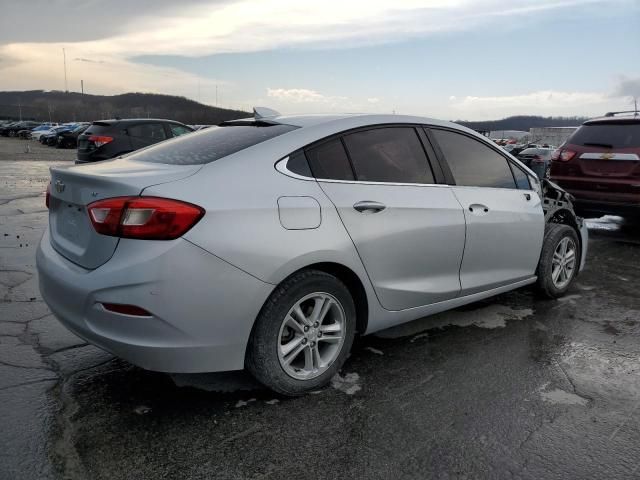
(611, 135)
(211, 144)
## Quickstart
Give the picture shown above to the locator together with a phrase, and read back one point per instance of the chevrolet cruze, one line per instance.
(269, 243)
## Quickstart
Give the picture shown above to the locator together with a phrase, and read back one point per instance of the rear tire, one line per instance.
(559, 260)
(303, 334)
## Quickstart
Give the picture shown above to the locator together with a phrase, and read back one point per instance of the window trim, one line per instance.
(281, 164)
(448, 171)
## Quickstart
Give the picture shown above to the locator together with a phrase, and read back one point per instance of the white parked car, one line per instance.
(268, 243)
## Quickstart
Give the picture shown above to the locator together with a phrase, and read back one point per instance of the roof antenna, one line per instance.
(264, 112)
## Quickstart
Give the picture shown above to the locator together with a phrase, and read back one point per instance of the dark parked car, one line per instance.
(106, 139)
(51, 139)
(537, 159)
(69, 138)
(600, 165)
(12, 129)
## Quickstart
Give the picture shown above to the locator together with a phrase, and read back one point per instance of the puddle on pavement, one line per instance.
(486, 316)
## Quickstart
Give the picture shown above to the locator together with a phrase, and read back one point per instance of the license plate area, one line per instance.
(607, 168)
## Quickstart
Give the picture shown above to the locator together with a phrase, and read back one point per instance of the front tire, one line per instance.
(303, 333)
(559, 260)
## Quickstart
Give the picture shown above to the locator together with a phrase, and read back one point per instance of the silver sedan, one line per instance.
(269, 243)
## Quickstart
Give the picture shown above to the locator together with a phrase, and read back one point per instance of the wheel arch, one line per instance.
(565, 216)
(353, 283)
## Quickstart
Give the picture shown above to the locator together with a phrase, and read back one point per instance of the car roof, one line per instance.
(613, 120)
(113, 121)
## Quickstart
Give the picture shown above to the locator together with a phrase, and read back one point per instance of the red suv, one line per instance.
(600, 165)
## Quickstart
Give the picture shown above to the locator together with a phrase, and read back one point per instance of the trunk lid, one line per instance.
(74, 187)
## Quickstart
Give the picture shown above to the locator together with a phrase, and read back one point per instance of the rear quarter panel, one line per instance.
(242, 224)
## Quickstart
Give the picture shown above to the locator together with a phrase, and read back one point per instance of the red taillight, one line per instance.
(126, 309)
(100, 140)
(47, 195)
(144, 218)
(563, 155)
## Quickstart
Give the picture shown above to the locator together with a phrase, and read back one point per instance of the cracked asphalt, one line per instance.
(513, 387)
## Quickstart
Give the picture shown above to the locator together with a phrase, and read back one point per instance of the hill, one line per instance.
(57, 106)
(523, 123)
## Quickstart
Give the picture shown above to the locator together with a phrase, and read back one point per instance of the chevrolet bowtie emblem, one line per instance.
(60, 186)
(606, 156)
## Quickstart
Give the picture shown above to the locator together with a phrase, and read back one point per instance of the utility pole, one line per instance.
(82, 86)
(20, 108)
(64, 60)
(216, 94)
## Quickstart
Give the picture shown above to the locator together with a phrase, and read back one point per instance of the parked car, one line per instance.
(69, 138)
(106, 139)
(43, 129)
(51, 139)
(12, 129)
(600, 165)
(515, 151)
(537, 159)
(267, 243)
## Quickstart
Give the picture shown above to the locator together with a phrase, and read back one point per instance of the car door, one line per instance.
(145, 134)
(408, 230)
(504, 219)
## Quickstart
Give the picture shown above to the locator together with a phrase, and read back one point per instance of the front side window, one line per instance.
(329, 161)
(522, 179)
(392, 154)
(148, 131)
(472, 163)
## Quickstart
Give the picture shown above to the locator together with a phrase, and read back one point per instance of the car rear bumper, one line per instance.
(202, 308)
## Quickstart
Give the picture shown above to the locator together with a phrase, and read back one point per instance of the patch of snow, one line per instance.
(347, 384)
(419, 336)
(560, 397)
(569, 298)
(374, 350)
(142, 409)
(490, 316)
(272, 402)
(242, 403)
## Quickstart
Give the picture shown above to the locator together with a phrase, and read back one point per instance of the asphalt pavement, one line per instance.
(512, 387)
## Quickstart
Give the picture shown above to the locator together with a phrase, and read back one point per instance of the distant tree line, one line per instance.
(523, 123)
(57, 106)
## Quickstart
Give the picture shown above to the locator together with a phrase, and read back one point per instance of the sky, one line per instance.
(450, 59)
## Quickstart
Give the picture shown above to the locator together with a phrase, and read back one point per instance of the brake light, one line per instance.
(144, 218)
(47, 195)
(100, 140)
(566, 155)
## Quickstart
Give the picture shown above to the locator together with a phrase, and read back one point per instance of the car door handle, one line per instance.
(527, 196)
(367, 206)
(478, 208)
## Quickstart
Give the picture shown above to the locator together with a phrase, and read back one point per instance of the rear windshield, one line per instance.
(209, 145)
(615, 135)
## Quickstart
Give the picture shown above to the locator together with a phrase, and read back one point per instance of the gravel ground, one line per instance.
(512, 387)
(15, 149)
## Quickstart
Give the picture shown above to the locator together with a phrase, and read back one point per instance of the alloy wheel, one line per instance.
(311, 336)
(563, 263)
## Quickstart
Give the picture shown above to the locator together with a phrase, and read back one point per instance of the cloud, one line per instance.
(373, 100)
(544, 102)
(301, 95)
(627, 87)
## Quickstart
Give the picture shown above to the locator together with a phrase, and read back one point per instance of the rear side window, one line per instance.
(150, 131)
(522, 179)
(473, 163)
(298, 164)
(210, 144)
(610, 135)
(178, 130)
(329, 161)
(392, 154)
